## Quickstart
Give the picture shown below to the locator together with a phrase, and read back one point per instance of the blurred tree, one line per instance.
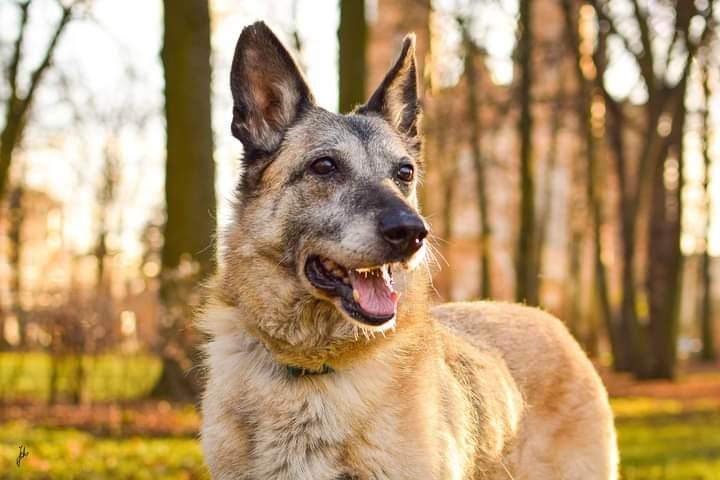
(440, 134)
(543, 217)
(665, 258)
(187, 253)
(587, 79)
(18, 103)
(105, 198)
(641, 172)
(16, 216)
(472, 56)
(526, 269)
(352, 40)
(707, 334)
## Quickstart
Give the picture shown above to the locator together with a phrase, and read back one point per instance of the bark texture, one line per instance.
(187, 254)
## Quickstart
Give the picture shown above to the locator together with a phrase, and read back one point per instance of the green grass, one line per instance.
(26, 376)
(659, 440)
(64, 454)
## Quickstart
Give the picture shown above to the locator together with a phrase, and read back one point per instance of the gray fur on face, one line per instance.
(339, 212)
(286, 212)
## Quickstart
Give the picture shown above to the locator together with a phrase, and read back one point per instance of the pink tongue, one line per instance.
(376, 295)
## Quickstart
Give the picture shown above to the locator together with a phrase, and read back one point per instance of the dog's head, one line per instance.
(327, 210)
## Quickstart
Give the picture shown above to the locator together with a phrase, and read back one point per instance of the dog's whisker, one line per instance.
(432, 258)
(435, 237)
(436, 251)
(432, 284)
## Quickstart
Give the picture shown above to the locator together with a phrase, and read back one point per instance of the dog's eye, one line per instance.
(406, 172)
(323, 166)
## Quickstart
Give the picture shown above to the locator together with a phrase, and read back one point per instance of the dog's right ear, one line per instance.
(268, 90)
(396, 99)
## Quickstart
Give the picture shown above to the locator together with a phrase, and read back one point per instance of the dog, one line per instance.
(325, 360)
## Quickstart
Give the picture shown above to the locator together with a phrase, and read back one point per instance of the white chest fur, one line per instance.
(303, 427)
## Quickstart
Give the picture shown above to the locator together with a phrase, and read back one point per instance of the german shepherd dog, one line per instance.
(325, 360)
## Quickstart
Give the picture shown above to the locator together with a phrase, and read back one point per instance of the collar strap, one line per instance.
(297, 372)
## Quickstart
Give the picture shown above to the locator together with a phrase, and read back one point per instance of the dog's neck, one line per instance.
(311, 334)
(317, 339)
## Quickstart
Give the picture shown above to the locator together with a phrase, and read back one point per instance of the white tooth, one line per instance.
(356, 295)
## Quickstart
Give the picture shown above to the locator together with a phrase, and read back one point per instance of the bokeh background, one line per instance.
(571, 151)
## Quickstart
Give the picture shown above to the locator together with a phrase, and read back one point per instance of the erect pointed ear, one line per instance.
(268, 90)
(396, 99)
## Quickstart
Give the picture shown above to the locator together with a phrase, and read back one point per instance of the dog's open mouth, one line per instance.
(366, 294)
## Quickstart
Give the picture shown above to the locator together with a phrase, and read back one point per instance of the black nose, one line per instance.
(403, 230)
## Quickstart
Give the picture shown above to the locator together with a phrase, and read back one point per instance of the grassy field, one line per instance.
(68, 454)
(660, 438)
(663, 440)
(27, 376)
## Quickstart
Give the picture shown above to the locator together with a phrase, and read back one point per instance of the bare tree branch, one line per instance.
(37, 74)
(17, 105)
(15, 60)
(646, 60)
(612, 24)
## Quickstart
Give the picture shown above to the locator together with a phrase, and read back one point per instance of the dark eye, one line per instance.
(406, 172)
(323, 166)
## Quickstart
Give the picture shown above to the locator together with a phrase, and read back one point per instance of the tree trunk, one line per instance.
(473, 106)
(9, 139)
(707, 334)
(650, 351)
(629, 340)
(352, 63)
(442, 142)
(664, 274)
(707, 331)
(526, 270)
(593, 193)
(15, 240)
(545, 210)
(630, 348)
(187, 254)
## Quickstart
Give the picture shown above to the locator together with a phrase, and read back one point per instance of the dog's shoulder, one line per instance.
(536, 346)
(467, 316)
(506, 326)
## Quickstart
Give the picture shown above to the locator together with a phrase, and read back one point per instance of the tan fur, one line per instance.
(481, 390)
(458, 392)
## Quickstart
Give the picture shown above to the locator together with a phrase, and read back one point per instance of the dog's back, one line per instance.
(567, 428)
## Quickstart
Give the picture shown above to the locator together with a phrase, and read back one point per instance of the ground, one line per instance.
(667, 430)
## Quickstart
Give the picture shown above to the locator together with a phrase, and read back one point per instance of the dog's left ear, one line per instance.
(269, 92)
(396, 99)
